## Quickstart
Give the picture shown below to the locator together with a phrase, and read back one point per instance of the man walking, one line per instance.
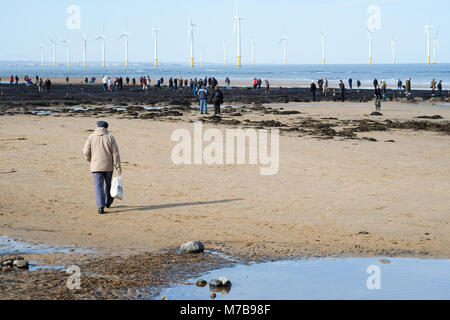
(102, 152)
(203, 96)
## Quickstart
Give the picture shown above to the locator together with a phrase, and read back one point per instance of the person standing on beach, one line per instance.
(341, 91)
(11, 80)
(267, 86)
(433, 86)
(102, 152)
(17, 79)
(358, 83)
(313, 90)
(105, 83)
(439, 87)
(325, 87)
(399, 85)
(378, 98)
(350, 83)
(228, 83)
(203, 96)
(48, 84)
(40, 84)
(384, 89)
(408, 86)
(218, 100)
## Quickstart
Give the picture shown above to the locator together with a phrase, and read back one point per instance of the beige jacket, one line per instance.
(102, 152)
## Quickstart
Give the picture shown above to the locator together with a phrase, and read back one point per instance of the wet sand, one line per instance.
(370, 186)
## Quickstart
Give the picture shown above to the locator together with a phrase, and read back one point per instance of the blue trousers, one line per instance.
(102, 183)
(203, 106)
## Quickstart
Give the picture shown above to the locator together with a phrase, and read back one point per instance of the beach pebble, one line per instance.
(21, 264)
(225, 282)
(384, 261)
(7, 263)
(201, 283)
(212, 295)
(6, 268)
(192, 247)
(377, 114)
(216, 283)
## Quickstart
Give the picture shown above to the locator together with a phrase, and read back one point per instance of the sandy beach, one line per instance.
(374, 192)
(326, 193)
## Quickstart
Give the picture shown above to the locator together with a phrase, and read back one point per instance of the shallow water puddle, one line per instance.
(10, 246)
(342, 279)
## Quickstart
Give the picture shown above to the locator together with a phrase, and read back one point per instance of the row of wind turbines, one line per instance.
(237, 28)
(428, 28)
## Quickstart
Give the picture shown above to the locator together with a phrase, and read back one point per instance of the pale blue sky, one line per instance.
(27, 23)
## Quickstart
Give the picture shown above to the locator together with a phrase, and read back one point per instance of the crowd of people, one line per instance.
(209, 87)
(380, 88)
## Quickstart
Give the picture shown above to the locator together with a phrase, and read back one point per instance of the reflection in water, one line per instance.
(342, 279)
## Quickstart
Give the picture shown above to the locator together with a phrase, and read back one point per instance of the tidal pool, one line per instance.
(10, 246)
(324, 279)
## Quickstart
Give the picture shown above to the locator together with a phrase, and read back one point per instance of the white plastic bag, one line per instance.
(117, 188)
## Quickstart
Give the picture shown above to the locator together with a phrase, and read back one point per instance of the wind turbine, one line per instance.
(84, 40)
(253, 42)
(54, 43)
(67, 42)
(103, 38)
(237, 23)
(436, 45)
(323, 35)
(155, 37)
(201, 53)
(125, 35)
(225, 52)
(284, 40)
(393, 43)
(191, 39)
(43, 45)
(427, 31)
(370, 32)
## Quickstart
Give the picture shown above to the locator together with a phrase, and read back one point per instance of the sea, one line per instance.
(421, 74)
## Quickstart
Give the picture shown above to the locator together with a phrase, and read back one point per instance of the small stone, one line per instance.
(192, 247)
(225, 282)
(216, 283)
(7, 263)
(363, 232)
(201, 283)
(384, 261)
(213, 296)
(6, 268)
(21, 264)
(164, 298)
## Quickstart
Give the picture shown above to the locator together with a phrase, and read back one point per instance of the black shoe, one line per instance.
(108, 205)
(101, 210)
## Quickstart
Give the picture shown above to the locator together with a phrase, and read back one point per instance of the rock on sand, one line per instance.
(192, 247)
